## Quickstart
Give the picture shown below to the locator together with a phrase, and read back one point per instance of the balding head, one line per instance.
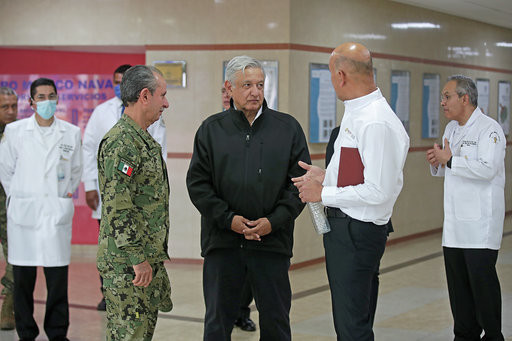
(355, 56)
(352, 70)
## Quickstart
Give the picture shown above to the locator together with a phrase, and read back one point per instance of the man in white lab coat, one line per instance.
(472, 162)
(40, 169)
(103, 118)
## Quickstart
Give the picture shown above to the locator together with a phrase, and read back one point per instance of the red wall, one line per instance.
(34, 61)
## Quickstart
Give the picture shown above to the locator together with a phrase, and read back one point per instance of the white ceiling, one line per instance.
(495, 12)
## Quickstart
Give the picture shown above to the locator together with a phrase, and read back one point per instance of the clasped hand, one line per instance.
(251, 229)
(437, 156)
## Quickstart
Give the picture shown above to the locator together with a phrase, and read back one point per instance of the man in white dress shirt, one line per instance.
(373, 136)
(472, 162)
(103, 118)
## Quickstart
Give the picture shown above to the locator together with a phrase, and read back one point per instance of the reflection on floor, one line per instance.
(413, 300)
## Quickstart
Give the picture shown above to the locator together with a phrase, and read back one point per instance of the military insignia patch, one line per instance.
(125, 168)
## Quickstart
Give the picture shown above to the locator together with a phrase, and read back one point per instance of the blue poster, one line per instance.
(322, 104)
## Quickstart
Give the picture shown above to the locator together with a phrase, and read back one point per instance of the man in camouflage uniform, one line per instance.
(8, 113)
(134, 228)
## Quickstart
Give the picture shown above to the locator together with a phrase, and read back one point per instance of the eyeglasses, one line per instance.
(446, 97)
(43, 97)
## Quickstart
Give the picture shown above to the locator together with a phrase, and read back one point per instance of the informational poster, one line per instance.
(400, 95)
(504, 106)
(322, 103)
(78, 96)
(430, 106)
(482, 86)
(271, 89)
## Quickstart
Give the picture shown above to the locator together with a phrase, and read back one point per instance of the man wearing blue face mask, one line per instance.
(103, 118)
(40, 169)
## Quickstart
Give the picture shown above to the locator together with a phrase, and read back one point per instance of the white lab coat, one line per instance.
(103, 118)
(474, 202)
(38, 176)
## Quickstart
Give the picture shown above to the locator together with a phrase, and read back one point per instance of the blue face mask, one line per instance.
(117, 90)
(46, 109)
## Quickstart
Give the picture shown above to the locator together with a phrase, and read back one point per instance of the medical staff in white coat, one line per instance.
(101, 121)
(40, 170)
(472, 162)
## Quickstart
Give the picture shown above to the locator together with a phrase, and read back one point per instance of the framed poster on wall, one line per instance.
(400, 95)
(504, 106)
(174, 71)
(322, 103)
(271, 89)
(482, 86)
(430, 106)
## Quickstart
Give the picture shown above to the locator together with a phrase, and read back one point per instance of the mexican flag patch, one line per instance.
(125, 168)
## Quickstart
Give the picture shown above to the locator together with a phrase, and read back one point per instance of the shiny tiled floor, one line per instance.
(413, 302)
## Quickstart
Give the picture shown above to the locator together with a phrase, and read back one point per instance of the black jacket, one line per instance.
(239, 169)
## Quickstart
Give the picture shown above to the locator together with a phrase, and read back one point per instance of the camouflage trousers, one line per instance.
(8, 280)
(132, 311)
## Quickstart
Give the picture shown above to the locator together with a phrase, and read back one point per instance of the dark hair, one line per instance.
(39, 82)
(135, 80)
(122, 69)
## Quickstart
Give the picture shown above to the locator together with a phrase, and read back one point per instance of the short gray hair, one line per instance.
(135, 79)
(465, 85)
(4, 90)
(240, 63)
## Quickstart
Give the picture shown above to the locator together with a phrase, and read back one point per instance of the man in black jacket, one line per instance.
(240, 181)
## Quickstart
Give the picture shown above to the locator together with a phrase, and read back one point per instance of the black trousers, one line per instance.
(475, 294)
(245, 300)
(56, 318)
(353, 250)
(224, 273)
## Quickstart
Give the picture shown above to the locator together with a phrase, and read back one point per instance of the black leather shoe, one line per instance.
(102, 306)
(245, 324)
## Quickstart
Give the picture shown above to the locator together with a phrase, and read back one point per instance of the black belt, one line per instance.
(332, 212)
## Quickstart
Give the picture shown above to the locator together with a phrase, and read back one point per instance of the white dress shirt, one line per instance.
(103, 118)
(370, 125)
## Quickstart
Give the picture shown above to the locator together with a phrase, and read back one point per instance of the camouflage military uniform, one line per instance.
(134, 227)
(7, 280)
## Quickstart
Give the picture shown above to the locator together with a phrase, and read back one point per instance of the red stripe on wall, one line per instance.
(437, 62)
(179, 155)
(217, 47)
(313, 48)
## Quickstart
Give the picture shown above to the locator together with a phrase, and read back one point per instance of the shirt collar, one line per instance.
(360, 102)
(473, 116)
(143, 133)
(258, 114)
(117, 100)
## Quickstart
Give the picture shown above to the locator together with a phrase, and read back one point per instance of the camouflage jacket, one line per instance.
(134, 189)
(3, 209)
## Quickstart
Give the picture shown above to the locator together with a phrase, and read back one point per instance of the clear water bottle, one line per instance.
(320, 222)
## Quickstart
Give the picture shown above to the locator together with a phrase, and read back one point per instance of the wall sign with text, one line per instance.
(322, 103)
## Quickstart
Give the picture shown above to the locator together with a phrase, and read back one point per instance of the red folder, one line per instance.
(350, 172)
